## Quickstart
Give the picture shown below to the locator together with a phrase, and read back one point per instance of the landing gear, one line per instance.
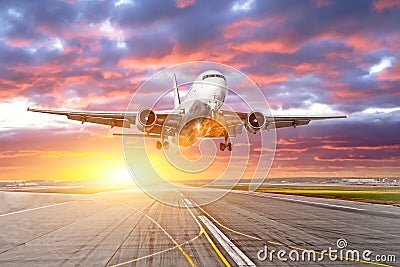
(165, 145)
(158, 145)
(224, 145)
(229, 147)
(221, 146)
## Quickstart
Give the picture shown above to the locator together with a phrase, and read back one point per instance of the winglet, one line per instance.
(177, 100)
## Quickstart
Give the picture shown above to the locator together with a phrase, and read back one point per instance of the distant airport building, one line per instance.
(362, 181)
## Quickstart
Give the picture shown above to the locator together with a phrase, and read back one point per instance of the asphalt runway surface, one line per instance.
(128, 228)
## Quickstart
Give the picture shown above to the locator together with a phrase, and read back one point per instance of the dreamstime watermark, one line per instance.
(338, 253)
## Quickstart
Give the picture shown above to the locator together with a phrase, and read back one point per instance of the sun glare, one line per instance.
(120, 175)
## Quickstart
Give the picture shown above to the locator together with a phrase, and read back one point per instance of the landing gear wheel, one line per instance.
(166, 145)
(158, 145)
(222, 146)
(229, 146)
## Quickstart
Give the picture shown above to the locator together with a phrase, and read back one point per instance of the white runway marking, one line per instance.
(312, 202)
(300, 201)
(32, 209)
(188, 202)
(236, 254)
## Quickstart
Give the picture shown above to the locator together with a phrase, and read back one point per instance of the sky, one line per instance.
(308, 57)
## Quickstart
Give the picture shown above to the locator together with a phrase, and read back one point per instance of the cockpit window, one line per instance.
(213, 75)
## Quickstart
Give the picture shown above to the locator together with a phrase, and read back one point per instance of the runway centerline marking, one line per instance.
(236, 254)
(37, 208)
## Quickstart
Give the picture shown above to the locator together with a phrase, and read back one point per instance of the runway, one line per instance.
(128, 228)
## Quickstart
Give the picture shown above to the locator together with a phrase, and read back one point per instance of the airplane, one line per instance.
(198, 115)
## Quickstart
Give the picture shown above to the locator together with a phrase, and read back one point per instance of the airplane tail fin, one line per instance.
(177, 100)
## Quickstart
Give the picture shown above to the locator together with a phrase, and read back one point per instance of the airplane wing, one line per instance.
(235, 120)
(113, 119)
(119, 119)
(278, 121)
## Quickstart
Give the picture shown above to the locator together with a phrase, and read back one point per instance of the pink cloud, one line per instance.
(267, 79)
(184, 3)
(255, 46)
(382, 4)
(390, 74)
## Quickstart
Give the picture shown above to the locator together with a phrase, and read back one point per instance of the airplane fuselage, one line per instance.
(200, 106)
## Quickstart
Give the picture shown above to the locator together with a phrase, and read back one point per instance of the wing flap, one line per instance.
(287, 123)
(102, 114)
(310, 118)
(105, 121)
(278, 121)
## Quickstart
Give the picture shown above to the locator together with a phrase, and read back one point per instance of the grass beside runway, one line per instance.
(372, 194)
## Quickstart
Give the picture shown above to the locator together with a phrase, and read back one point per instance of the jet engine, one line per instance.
(255, 122)
(145, 120)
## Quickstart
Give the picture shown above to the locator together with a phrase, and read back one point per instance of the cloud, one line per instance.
(242, 5)
(307, 57)
(385, 62)
(184, 3)
(383, 4)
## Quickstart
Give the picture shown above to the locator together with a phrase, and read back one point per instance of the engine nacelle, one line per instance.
(145, 120)
(255, 122)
